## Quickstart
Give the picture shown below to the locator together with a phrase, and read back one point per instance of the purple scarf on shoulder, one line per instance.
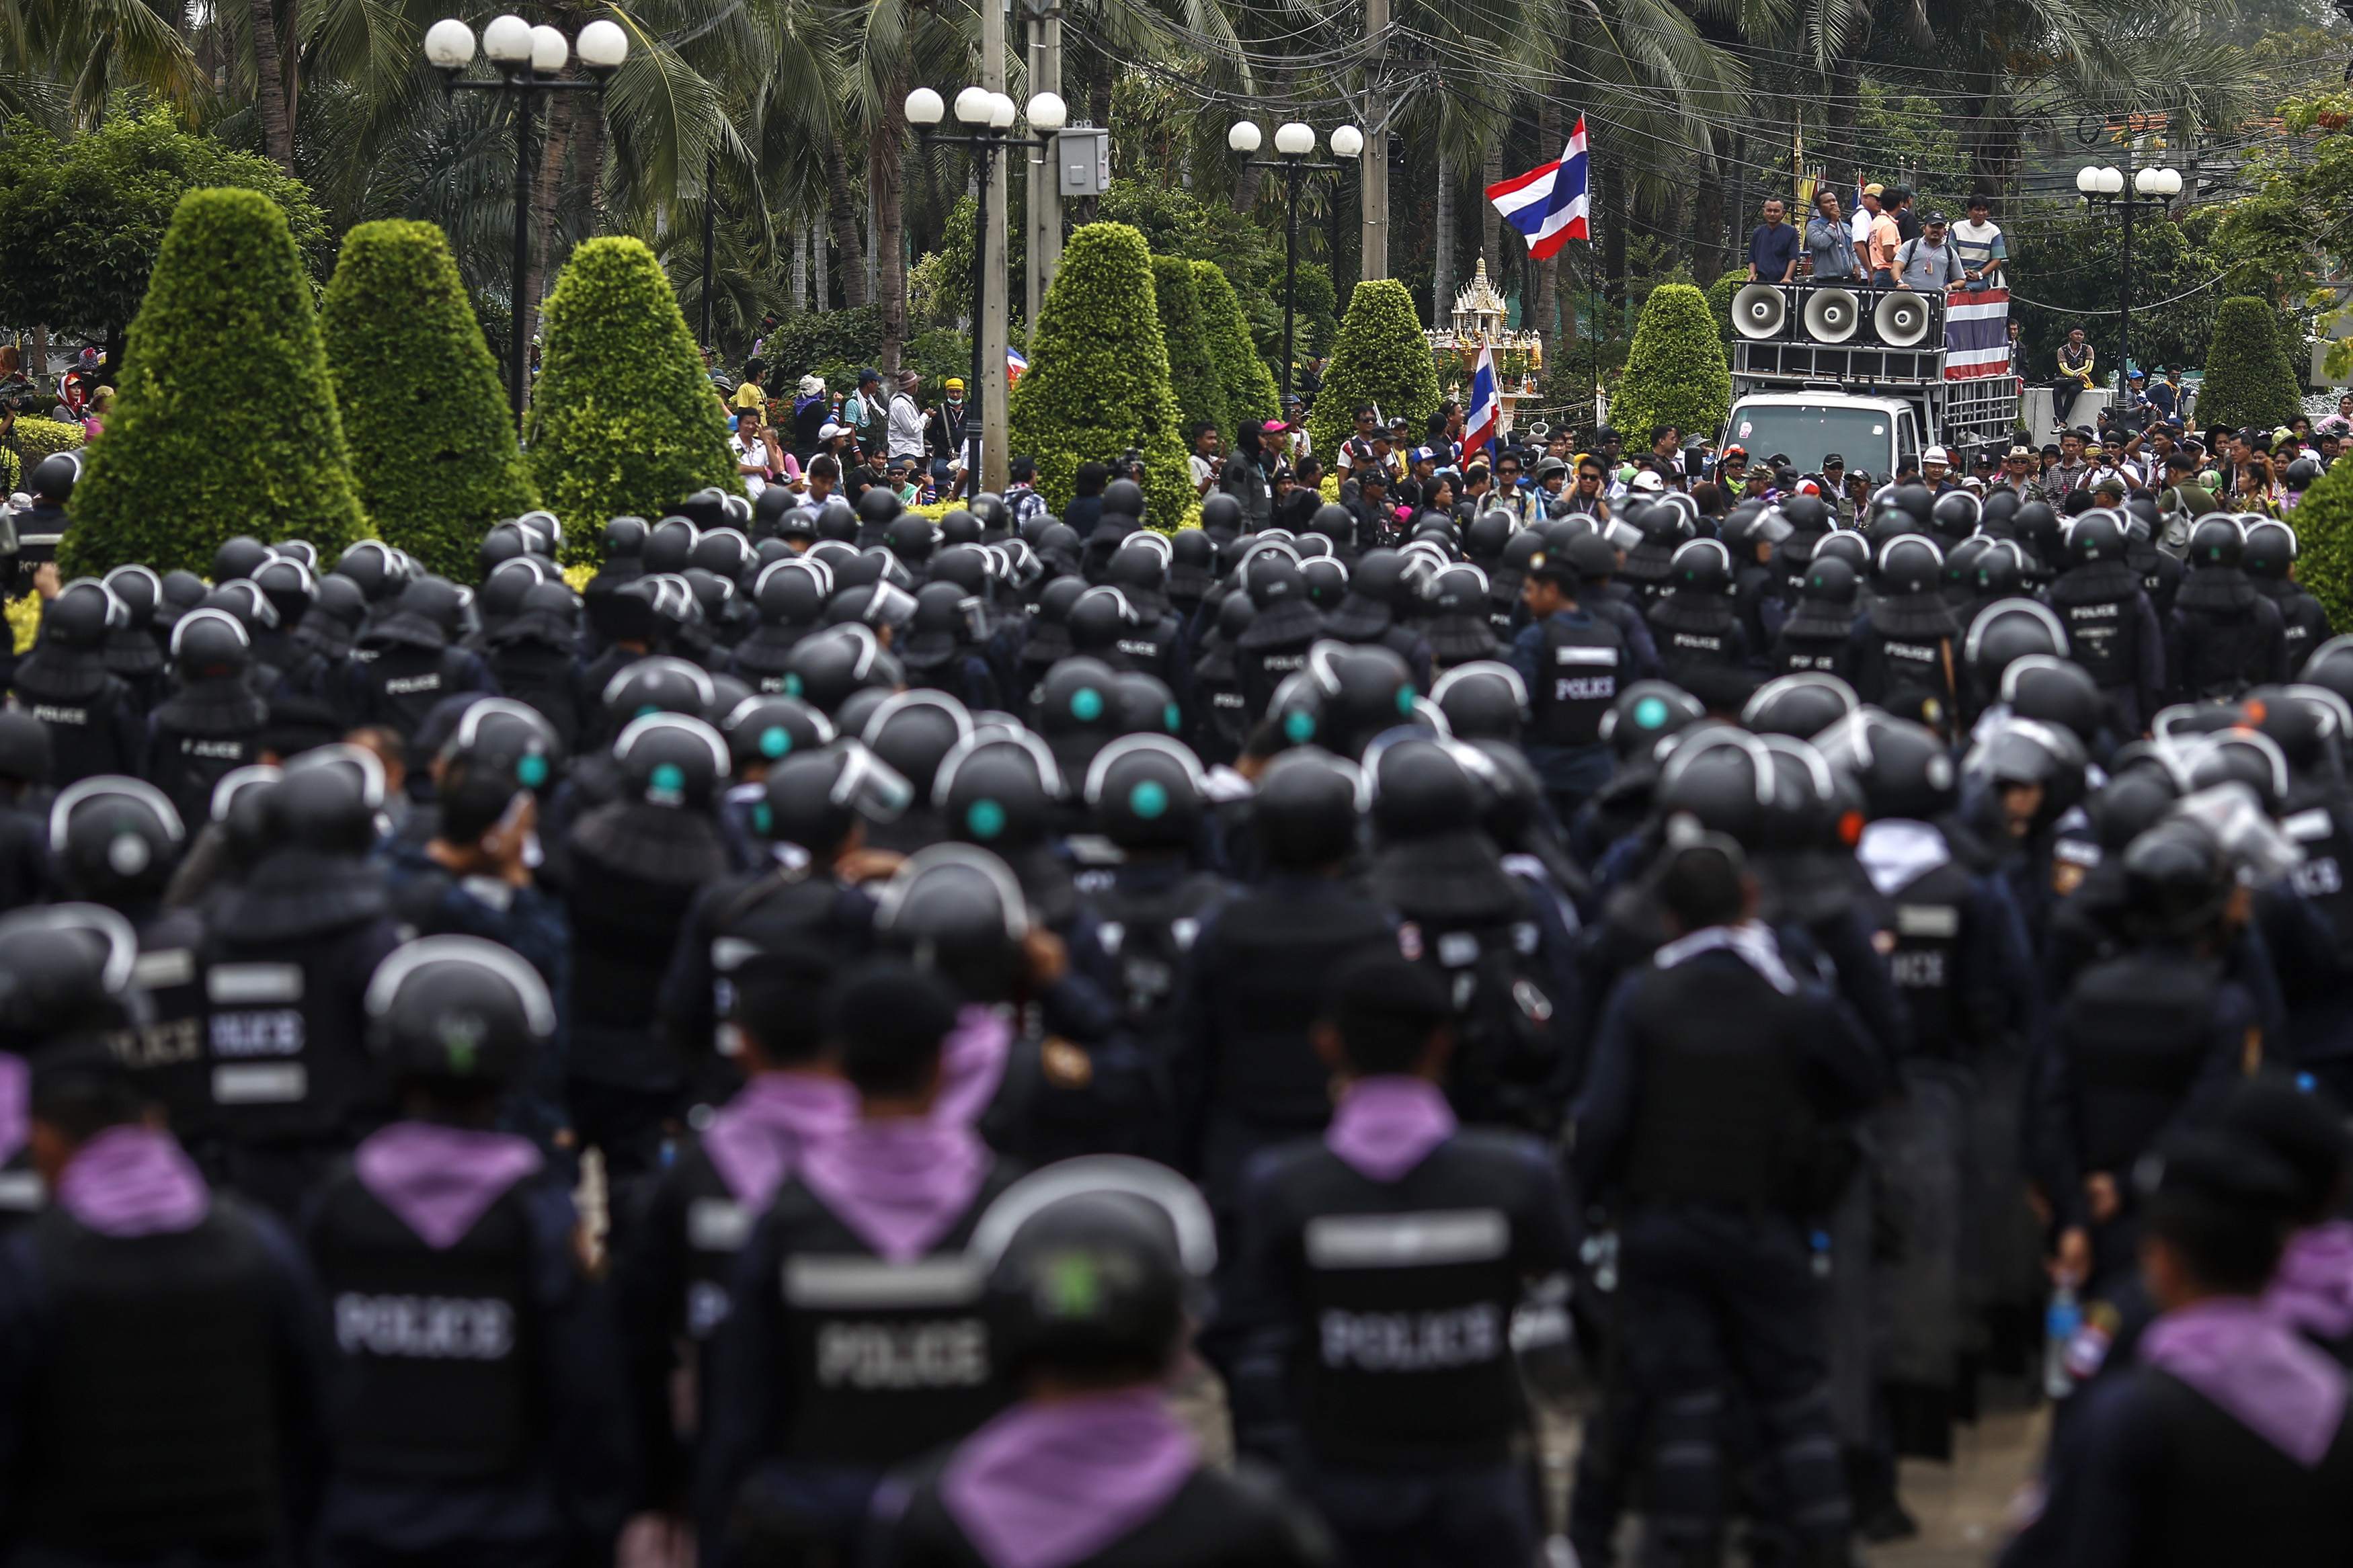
(134, 1181)
(2256, 1369)
(1385, 1126)
(2313, 1290)
(756, 1139)
(900, 1184)
(439, 1179)
(1043, 1486)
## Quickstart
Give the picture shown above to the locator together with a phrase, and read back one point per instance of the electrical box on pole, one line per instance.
(1084, 152)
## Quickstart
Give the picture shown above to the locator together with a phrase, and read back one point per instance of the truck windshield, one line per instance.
(1861, 436)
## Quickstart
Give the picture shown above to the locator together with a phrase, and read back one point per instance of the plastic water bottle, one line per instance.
(2061, 1323)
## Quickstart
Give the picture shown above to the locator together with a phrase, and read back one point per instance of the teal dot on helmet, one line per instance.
(792, 686)
(776, 740)
(1651, 713)
(532, 772)
(764, 821)
(1148, 799)
(670, 776)
(648, 707)
(1172, 718)
(1086, 705)
(1299, 726)
(1405, 700)
(985, 820)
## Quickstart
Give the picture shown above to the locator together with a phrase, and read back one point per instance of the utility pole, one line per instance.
(991, 327)
(1373, 238)
(1044, 251)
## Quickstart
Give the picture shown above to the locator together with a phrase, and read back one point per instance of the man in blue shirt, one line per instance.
(1829, 249)
(1773, 247)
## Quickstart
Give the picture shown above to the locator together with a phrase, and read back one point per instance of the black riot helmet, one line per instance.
(1419, 789)
(722, 551)
(2216, 542)
(815, 798)
(2056, 690)
(65, 976)
(671, 760)
(625, 539)
(1221, 514)
(238, 557)
(2097, 535)
(1122, 498)
(1306, 810)
(460, 1012)
(1909, 563)
(764, 730)
(958, 911)
(2177, 880)
(2008, 631)
(54, 477)
(1902, 768)
(1723, 777)
(1828, 581)
(824, 668)
(910, 538)
(1097, 1263)
(1953, 516)
(1801, 705)
(25, 749)
(2270, 550)
(877, 507)
(1143, 705)
(657, 685)
(1144, 792)
(792, 593)
(1807, 513)
(998, 792)
(370, 563)
(1702, 568)
(1646, 713)
(915, 730)
(114, 840)
(670, 547)
(327, 800)
(1482, 700)
(207, 643)
(1365, 689)
(83, 615)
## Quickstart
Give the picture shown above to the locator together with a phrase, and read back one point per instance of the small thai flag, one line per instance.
(1486, 409)
(1015, 361)
(1549, 205)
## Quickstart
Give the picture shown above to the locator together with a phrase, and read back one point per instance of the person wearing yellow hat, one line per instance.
(945, 433)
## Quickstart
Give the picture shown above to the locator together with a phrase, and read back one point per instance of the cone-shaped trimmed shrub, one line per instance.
(224, 420)
(2322, 522)
(1675, 371)
(1251, 391)
(623, 418)
(2248, 379)
(1192, 371)
(432, 447)
(1098, 378)
(1382, 359)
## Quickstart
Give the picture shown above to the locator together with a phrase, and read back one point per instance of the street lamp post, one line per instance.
(526, 59)
(2104, 187)
(1293, 142)
(989, 116)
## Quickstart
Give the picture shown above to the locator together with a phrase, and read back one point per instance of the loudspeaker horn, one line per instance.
(1832, 315)
(1758, 311)
(1901, 319)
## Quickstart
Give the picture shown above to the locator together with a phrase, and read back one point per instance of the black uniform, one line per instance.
(95, 723)
(403, 666)
(2225, 636)
(210, 728)
(2114, 632)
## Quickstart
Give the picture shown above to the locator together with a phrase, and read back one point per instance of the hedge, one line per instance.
(1381, 358)
(2322, 522)
(803, 343)
(2248, 381)
(1719, 300)
(623, 417)
(1192, 371)
(1251, 391)
(1675, 372)
(433, 447)
(1098, 378)
(28, 441)
(224, 419)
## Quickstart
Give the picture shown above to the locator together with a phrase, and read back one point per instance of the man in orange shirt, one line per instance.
(1880, 250)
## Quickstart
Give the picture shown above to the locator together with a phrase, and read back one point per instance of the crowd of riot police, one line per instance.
(1767, 987)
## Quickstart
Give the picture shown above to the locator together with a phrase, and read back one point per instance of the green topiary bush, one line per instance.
(224, 420)
(2248, 381)
(432, 447)
(2323, 521)
(1250, 388)
(1675, 372)
(1098, 377)
(623, 418)
(802, 343)
(1192, 369)
(1381, 358)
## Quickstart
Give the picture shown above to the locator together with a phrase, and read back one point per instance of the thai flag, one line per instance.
(1977, 333)
(1015, 361)
(1486, 409)
(1549, 205)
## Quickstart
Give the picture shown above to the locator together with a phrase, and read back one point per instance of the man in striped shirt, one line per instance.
(1978, 241)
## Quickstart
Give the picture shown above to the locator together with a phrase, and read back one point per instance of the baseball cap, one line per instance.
(1272, 427)
(952, 384)
(829, 430)
(1832, 460)
(1735, 450)
(1933, 219)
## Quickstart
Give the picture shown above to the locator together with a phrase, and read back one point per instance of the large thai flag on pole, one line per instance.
(1549, 205)
(1486, 411)
(1977, 333)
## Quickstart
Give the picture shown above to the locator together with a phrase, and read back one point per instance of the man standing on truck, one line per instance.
(1773, 247)
(1978, 239)
(1930, 263)
(1829, 249)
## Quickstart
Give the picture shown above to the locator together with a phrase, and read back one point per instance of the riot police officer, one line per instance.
(95, 725)
(2225, 635)
(2112, 631)
(212, 725)
(1573, 662)
(478, 1403)
(2270, 565)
